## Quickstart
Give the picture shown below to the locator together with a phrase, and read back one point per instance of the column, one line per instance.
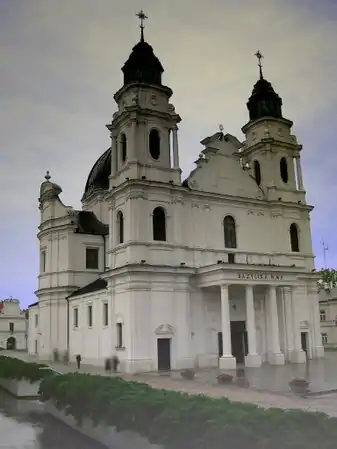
(169, 145)
(318, 350)
(175, 147)
(298, 355)
(253, 358)
(288, 307)
(299, 173)
(275, 356)
(133, 144)
(113, 154)
(112, 227)
(227, 361)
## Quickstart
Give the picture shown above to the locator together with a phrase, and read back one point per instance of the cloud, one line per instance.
(60, 65)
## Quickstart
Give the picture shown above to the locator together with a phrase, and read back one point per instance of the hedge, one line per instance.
(12, 368)
(182, 421)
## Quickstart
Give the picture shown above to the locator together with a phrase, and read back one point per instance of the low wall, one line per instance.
(20, 388)
(106, 435)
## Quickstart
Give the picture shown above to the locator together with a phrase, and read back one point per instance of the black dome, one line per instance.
(98, 178)
(264, 101)
(143, 66)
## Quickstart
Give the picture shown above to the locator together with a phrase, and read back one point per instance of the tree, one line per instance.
(328, 278)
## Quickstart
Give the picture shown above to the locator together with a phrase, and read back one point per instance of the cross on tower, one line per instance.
(141, 15)
(259, 57)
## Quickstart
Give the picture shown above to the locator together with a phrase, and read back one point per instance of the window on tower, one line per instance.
(43, 261)
(154, 144)
(120, 227)
(294, 243)
(123, 147)
(284, 169)
(257, 172)
(159, 224)
(229, 232)
(91, 258)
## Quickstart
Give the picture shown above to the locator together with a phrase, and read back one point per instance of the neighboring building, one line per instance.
(13, 325)
(328, 316)
(214, 270)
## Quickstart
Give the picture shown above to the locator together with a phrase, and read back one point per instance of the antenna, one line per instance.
(325, 249)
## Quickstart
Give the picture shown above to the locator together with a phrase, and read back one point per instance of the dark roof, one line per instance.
(34, 304)
(98, 178)
(264, 101)
(98, 284)
(143, 66)
(88, 223)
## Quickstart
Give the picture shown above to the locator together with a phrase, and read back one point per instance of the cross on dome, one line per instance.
(259, 57)
(141, 15)
(47, 177)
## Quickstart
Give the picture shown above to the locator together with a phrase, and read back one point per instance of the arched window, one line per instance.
(123, 147)
(284, 169)
(159, 224)
(294, 243)
(120, 227)
(229, 232)
(154, 144)
(257, 171)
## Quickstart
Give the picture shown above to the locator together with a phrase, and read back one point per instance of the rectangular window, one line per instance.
(119, 335)
(90, 316)
(105, 314)
(36, 320)
(75, 317)
(91, 258)
(43, 261)
(324, 339)
(322, 315)
(11, 327)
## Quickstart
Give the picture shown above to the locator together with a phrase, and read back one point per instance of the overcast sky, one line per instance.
(60, 64)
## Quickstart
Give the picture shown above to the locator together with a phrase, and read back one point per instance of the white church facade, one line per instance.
(213, 270)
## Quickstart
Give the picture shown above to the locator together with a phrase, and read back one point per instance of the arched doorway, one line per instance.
(11, 343)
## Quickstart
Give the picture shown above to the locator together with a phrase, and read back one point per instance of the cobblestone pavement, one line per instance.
(205, 384)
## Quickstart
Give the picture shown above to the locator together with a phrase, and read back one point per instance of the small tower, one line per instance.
(271, 152)
(142, 127)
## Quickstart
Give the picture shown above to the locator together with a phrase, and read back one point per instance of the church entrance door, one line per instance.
(239, 340)
(164, 354)
(11, 343)
(220, 344)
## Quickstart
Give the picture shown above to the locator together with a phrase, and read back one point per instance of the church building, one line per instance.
(168, 273)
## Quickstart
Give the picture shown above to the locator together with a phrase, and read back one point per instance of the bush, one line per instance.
(182, 421)
(224, 378)
(12, 368)
(188, 374)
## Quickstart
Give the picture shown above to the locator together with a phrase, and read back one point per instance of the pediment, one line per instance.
(219, 170)
(164, 329)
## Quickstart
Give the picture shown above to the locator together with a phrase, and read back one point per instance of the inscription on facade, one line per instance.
(259, 276)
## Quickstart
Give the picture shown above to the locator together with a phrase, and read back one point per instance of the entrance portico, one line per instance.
(270, 306)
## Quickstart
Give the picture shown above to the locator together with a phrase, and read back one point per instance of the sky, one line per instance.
(60, 64)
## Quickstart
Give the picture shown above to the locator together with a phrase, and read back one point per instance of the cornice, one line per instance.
(148, 269)
(270, 145)
(161, 89)
(194, 196)
(255, 122)
(67, 288)
(137, 113)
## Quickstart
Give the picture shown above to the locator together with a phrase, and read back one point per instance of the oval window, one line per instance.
(154, 144)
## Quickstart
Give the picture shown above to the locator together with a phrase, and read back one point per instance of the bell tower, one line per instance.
(144, 139)
(270, 151)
